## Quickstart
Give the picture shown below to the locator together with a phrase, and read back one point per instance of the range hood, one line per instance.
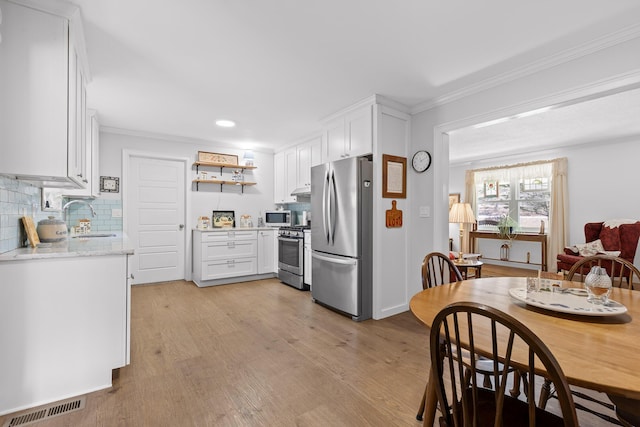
(302, 191)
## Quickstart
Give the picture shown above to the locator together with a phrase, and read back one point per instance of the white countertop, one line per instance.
(74, 247)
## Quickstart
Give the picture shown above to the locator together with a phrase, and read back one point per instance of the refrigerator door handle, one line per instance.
(334, 260)
(325, 201)
(332, 208)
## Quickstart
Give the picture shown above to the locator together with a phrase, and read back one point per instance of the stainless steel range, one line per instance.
(291, 256)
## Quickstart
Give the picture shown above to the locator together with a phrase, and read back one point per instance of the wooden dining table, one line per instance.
(595, 352)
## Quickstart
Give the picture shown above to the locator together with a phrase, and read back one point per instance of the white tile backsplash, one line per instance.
(17, 198)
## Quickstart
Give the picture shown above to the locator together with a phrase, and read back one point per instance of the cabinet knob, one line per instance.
(181, 226)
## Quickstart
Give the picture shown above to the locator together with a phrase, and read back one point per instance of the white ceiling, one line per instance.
(278, 67)
(606, 119)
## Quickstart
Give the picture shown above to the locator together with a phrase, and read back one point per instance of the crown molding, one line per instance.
(547, 152)
(370, 100)
(176, 138)
(628, 33)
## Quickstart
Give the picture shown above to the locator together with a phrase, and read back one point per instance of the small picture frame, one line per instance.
(394, 177)
(491, 189)
(453, 198)
(218, 158)
(109, 184)
(223, 219)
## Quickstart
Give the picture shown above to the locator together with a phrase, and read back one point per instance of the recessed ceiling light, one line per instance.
(225, 123)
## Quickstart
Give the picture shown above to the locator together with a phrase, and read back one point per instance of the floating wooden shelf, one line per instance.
(222, 166)
(222, 183)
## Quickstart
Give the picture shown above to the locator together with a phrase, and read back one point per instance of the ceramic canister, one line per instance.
(52, 229)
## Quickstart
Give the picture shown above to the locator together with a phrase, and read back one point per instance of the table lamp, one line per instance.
(462, 214)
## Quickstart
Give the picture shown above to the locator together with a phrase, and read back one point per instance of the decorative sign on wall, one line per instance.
(223, 159)
(394, 176)
(393, 216)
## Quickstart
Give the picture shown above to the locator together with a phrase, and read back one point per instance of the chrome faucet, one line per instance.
(64, 208)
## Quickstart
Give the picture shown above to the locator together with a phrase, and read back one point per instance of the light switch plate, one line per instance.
(425, 211)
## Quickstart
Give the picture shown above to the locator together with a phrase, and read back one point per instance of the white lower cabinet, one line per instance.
(66, 326)
(227, 256)
(267, 256)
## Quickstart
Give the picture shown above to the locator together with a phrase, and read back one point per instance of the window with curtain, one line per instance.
(530, 192)
(521, 192)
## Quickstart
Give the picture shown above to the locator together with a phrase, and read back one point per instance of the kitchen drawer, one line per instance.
(218, 236)
(229, 268)
(230, 249)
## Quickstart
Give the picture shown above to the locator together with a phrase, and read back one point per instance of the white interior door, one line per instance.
(155, 217)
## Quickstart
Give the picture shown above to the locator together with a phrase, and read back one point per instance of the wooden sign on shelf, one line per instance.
(30, 228)
(393, 216)
(225, 159)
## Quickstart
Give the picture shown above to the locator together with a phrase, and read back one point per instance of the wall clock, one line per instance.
(421, 161)
(109, 184)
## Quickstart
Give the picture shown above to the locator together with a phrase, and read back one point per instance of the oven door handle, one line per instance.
(334, 260)
(289, 239)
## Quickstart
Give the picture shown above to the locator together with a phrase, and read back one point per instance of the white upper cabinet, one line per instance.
(91, 154)
(284, 173)
(291, 173)
(309, 154)
(278, 177)
(43, 102)
(349, 135)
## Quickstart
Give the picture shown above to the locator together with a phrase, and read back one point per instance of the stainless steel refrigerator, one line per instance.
(341, 230)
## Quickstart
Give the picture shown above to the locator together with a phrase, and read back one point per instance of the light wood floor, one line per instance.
(259, 353)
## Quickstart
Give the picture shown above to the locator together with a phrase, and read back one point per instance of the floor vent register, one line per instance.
(46, 412)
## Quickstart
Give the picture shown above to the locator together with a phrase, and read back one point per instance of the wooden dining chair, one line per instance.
(438, 269)
(501, 338)
(623, 275)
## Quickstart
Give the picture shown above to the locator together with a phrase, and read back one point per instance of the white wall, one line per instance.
(587, 74)
(391, 291)
(255, 199)
(600, 175)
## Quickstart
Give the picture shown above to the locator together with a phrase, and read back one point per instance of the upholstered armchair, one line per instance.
(604, 237)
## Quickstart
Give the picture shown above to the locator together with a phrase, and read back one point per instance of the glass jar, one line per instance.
(598, 285)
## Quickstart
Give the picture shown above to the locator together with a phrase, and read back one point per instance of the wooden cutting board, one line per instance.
(30, 228)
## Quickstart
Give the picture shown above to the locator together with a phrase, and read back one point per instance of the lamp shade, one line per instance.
(461, 213)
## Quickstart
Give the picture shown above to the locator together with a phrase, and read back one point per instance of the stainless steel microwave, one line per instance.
(277, 218)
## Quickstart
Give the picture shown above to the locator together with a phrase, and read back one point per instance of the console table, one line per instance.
(522, 237)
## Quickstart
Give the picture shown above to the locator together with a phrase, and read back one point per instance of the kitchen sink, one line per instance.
(85, 236)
